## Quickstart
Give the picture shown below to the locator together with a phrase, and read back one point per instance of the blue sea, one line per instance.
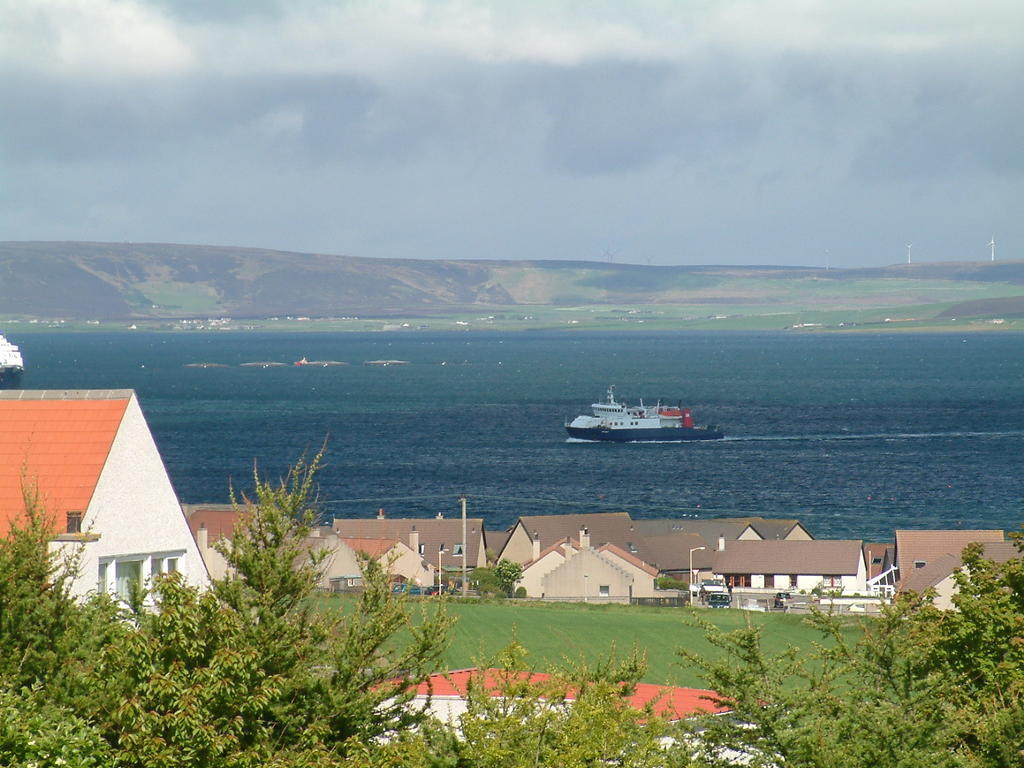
(855, 435)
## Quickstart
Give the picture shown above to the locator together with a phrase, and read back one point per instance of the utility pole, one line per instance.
(462, 503)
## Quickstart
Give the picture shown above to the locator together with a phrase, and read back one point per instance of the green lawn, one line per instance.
(556, 632)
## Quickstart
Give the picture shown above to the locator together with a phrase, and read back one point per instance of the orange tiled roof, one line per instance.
(670, 702)
(375, 548)
(58, 444)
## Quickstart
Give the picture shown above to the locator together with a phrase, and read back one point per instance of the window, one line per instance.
(126, 574)
(172, 565)
(457, 549)
(631, 546)
(101, 578)
(792, 581)
(156, 567)
(441, 547)
(74, 522)
(832, 580)
(876, 561)
(422, 548)
(920, 563)
(603, 590)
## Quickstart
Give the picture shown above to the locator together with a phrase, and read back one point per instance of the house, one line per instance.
(831, 564)
(938, 573)
(400, 559)
(437, 540)
(445, 694)
(915, 549)
(603, 527)
(572, 569)
(673, 546)
(211, 523)
(880, 557)
(92, 461)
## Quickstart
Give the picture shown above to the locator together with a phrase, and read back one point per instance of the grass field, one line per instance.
(554, 633)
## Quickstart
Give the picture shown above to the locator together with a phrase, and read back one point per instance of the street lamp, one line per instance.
(695, 549)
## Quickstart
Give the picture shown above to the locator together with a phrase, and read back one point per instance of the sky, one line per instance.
(791, 132)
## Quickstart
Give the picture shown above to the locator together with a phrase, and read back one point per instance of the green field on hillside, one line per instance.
(554, 633)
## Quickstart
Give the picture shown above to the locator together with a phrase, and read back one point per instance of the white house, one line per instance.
(830, 564)
(92, 461)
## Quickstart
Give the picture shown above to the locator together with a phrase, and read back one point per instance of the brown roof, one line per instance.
(434, 532)
(57, 441)
(671, 551)
(819, 556)
(880, 550)
(555, 547)
(623, 555)
(496, 541)
(920, 579)
(711, 528)
(603, 527)
(218, 520)
(926, 546)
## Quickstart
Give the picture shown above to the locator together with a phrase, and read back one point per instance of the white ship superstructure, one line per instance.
(12, 365)
(616, 421)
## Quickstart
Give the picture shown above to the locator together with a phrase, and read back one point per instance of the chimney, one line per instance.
(414, 540)
(380, 513)
(584, 537)
(535, 543)
(721, 542)
(203, 540)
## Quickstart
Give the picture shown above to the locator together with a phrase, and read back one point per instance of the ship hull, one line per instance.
(652, 435)
(10, 378)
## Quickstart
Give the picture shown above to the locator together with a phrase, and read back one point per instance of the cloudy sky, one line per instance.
(647, 131)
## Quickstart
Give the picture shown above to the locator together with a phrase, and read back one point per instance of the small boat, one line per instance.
(614, 421)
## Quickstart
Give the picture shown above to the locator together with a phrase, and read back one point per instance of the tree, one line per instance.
(249, 673)
(577, 717)
(507, 573)
(37, 612)
(915, 687)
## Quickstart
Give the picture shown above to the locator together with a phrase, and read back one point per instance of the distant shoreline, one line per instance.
(416, 326)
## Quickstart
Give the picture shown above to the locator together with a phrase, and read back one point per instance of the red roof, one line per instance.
(375, 548)
(60, 445)
(670, 702)
(218, 519)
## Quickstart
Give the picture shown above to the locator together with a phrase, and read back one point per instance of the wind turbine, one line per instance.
(992, 245)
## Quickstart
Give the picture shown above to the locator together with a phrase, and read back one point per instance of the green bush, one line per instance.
(667, 582)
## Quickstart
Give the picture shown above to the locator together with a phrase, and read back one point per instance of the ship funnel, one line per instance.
(687, 418)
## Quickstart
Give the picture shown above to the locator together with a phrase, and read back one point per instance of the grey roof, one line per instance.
(817, 557)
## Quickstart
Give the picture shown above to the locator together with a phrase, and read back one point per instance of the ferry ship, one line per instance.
(12, 366)
(618, 422)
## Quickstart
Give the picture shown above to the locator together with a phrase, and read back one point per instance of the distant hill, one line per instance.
(108, 281)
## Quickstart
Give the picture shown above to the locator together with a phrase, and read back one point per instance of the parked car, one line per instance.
(434, 589)
(781, 600)
(719, 600)
(407, 589)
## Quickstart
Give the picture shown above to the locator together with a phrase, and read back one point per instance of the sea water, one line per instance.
(852, 434)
